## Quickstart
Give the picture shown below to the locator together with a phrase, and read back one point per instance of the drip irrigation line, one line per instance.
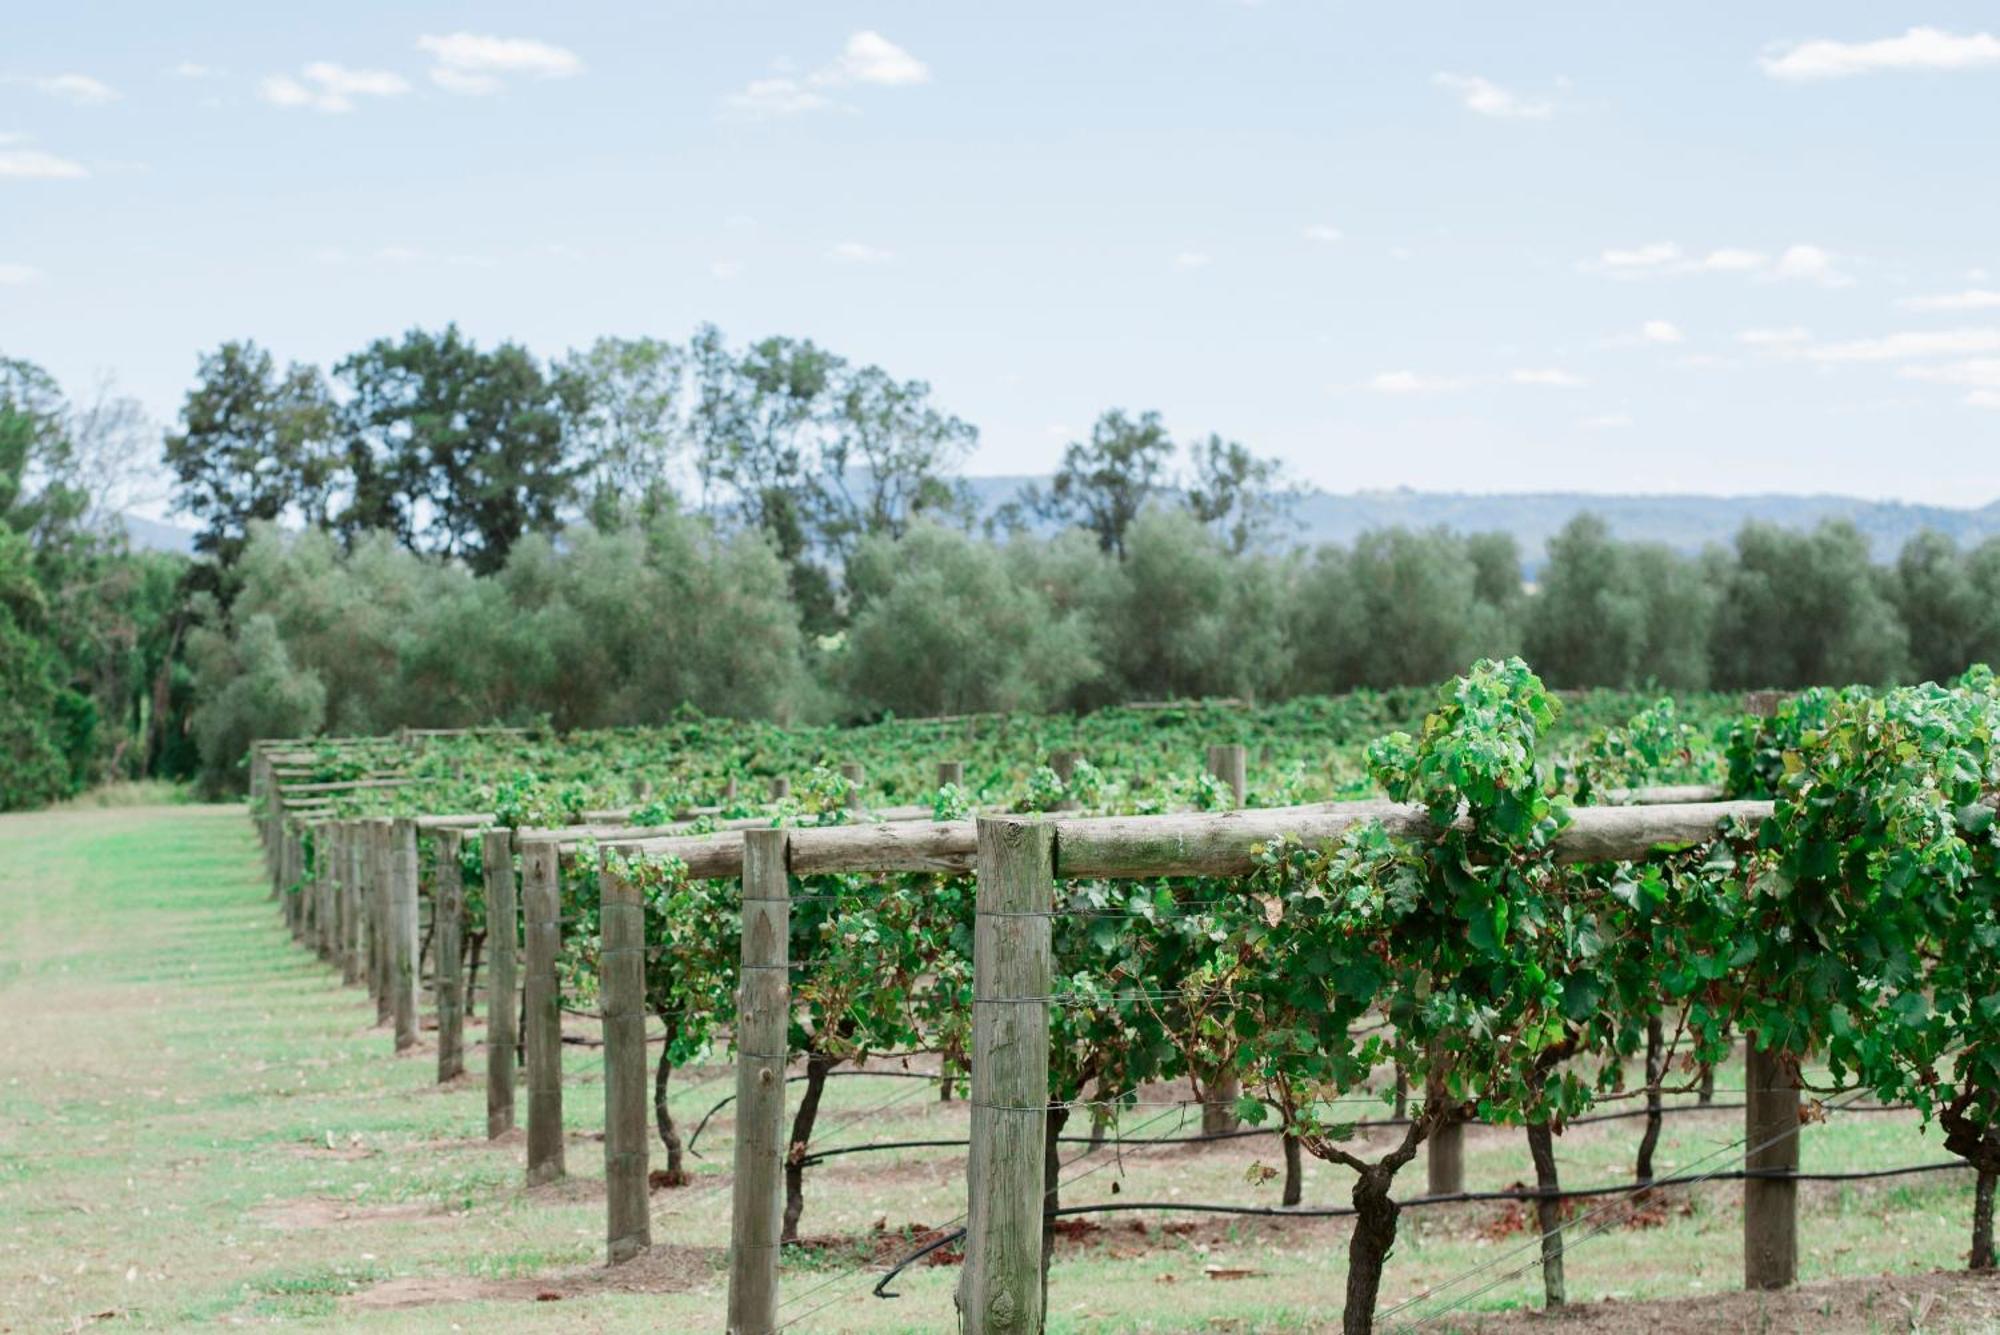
(1599, 1213)
(794, 1079)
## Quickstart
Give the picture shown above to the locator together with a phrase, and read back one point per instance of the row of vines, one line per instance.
(1374, 983)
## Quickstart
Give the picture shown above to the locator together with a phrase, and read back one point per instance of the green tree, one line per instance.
(622, 401)
(1244, 498)
(254, 444)
(1951, 619)
(1106, 481)
(943, 627)
(455, 450)
(1805, 609)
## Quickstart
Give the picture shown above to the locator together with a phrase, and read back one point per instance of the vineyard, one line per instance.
(1352, 932)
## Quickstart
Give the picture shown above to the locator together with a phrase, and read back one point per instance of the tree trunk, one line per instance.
(1051, 1191)
(1294, 1172)
(1705, 1094)
(945, 1080)
(1402, 1094)
(677, 1175)
(1548, 1211)
(1368, 1249)
(817, 1065)
(1655, 1059)
(1982, 1220)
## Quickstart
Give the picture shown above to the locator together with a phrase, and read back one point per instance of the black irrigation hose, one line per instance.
(1451, 1198)
(818, 1156)
(794, 1079)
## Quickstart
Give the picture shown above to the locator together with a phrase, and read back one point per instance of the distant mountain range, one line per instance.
(1687, 523)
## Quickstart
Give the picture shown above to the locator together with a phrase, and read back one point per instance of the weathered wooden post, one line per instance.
(621, 970)
(326, 934)
(951, 771)
(541, 896)
(852, 773)
(403, 935)
(378, 918)
(763, 1011)
(1771, 1140)
(1064, 764)
(448, 916)
(781, 788)
(292, 861)
(1223, 1087)
(353, 950)
(1231, 764)
(1445, 1158)
(1010, 1077)
(496, 858)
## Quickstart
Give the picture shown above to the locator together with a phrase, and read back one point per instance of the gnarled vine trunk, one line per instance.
(1294, 1172)
(1548, 1211)
(1982, 1221)
(670, 1136)
(1368, 1250)
(817, 1065)
(1655, 1072)
(1979, 1146)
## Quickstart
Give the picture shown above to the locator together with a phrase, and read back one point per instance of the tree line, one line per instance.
(435, 532)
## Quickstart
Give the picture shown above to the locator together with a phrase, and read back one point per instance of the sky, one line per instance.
(1701, 247)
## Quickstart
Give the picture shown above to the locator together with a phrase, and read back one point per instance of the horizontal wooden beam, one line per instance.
(1192, 844)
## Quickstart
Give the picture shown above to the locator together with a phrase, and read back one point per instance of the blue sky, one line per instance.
(1698, 247)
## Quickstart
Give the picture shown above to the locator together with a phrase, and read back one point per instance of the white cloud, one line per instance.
(724, 270)
(80, 89)
(869, 57)
(776, 97)
(1772, 338)
(1809, 264)
(1414, 382)
(1732, 260)
(1661, 331)
(474, 63)
(19, 275)
(1972, 299)
(1490, 99)
(1916, 49)
(1606, 422)
(1193, 259)
(1977, 373)
(856, 252)
(1409, 382)
(1660, 259)
(1553, 377)
(1323, 233)
(1984, 398)
(1907, 345)
(189, 69)
(328, 87)
(35, 165)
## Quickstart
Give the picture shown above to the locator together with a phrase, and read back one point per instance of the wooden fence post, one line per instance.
(763, 1012)
(496, 857)
(1231, 764)
(621, 968)
(855, 778)
(1771, 1140)
(403, 938)
(1444, 1158)
(1010, 1077)
(541, 896)
(291, 861)
(951, 771)
(1064, 764)
(1223, 1087)
(353, 954)
(378, 918)
(448, 917)
(325, 896)
(781, 788)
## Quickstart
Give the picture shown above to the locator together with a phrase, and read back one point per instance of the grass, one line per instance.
(198, 1124)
